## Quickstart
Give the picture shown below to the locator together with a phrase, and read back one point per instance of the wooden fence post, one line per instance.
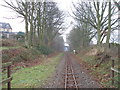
(7, 66)
(113, 72)
(8, 76)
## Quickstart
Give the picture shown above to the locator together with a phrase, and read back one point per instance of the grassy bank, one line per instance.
(19, 54)
(15, 51)
(103, 71)
(33, 77)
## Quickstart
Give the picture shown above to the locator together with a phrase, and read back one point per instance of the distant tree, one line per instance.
(58, 43)
(80, 36)
(20, 36)
(54, 22)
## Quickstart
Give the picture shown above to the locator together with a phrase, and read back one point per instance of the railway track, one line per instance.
(70, 75)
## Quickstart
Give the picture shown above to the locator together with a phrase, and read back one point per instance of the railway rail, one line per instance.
(70, 75)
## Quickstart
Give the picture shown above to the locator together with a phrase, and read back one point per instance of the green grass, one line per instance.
(102, 70)
(89, 59)
(35, 76)
(6, 48)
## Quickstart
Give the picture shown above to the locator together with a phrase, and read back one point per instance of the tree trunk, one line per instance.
(39, 23)
(31, 26)
(98, 25)
(43, 24)
(26, 25)
(109, 25)
(26, 28)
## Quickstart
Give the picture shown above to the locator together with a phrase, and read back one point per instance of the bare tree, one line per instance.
(43, 20)
(94, 14)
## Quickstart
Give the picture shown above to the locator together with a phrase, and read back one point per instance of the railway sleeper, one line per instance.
(76, 76)
(70, 80)
(70, 77)
(71, 86)
(72, 73)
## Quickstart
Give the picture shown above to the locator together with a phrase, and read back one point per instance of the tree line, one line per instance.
(43, 20)
(93, 20)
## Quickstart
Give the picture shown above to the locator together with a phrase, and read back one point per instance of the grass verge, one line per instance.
(103, 72)
(35, 76)
(6, 48)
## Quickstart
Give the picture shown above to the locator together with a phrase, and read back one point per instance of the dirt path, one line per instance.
(84, 80)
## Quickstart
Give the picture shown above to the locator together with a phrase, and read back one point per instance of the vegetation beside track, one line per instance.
(20, 54)
(7, 48)
(34, 76)
(16, 51)
(30, 66)
(102, 71)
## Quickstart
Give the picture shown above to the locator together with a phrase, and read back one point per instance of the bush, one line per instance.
(23, 56)
(5, 57)
(45, 50)
(26, 55)
(34, 51)
(16, 59)
(8, 43)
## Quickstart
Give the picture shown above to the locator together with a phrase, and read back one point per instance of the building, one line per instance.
(6, 31)
(5, 27)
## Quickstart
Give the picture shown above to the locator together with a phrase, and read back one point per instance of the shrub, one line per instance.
(5, 57)
(16, 59)
(45, 50)
(34, 51)
(9, 43)
(26, 55)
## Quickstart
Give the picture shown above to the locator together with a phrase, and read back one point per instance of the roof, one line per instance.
(5, 25)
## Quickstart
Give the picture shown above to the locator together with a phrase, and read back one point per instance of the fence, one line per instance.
(6, 67)
(113, 73)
